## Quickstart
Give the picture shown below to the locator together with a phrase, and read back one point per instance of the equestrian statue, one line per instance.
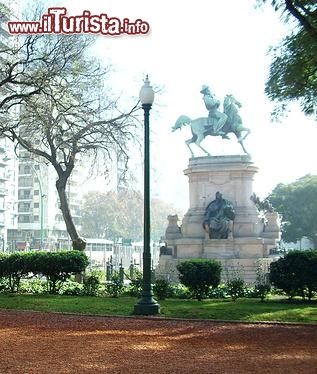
(217, 123)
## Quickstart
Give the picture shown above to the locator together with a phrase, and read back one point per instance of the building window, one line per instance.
(24, 169)
(24, 207)
(24, 218)
(25, 182)
(24, 194)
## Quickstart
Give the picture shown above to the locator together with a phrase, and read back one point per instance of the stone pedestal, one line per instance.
(238, 248)
(251, 237)
(233, 177)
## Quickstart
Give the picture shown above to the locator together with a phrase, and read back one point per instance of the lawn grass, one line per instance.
(250, 310)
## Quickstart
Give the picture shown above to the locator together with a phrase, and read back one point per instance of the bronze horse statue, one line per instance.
(200, 127)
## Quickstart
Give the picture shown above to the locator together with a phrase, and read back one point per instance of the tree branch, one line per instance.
(303, 20)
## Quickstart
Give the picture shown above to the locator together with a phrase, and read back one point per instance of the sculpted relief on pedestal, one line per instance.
(218, 218)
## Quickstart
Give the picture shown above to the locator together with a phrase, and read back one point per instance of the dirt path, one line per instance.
(49, 343)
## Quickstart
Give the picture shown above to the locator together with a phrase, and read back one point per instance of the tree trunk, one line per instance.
(77, 242)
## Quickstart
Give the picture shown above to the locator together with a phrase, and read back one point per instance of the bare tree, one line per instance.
(66, 113)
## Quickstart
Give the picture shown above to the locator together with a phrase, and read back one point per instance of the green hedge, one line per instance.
(57, 267)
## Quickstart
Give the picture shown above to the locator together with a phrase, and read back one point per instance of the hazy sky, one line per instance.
(221, 43)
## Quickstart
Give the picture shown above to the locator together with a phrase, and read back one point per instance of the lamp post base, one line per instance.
(146, 308)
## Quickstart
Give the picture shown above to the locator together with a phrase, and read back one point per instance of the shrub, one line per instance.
(219, 292)
(135, 286)
(115, 287)
(235, 284)
(262, 284)
(199, 275)
(179, 291)
(33, 286)
(91, 285)
(17, 265)
(235, 288)
(311, 275)
(296, 273)
(71, 288)
(3, 257)
(261, 290)
(161, 289)
(4, 284)
(57, 267)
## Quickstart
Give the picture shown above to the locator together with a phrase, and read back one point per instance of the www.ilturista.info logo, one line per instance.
(56, 22)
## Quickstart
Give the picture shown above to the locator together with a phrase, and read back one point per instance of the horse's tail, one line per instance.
(181, 121)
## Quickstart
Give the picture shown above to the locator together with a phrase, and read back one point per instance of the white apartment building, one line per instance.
(8, 192)
(40, 222)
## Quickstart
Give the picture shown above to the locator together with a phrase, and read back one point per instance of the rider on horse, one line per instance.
(216, 119)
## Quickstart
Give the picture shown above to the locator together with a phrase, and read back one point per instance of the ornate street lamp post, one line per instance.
(147, 305)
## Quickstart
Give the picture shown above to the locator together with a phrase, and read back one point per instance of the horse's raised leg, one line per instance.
(198, 141)
(246, 131)
(187, 142)
(242, 145)
(204, 150)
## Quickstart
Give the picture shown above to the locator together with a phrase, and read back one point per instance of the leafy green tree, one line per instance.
(296, 273)
(120, 215)
(199, 275)
(112, 215)
(292, 74)
(159, 212)
(297, 204)
(99, 214)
